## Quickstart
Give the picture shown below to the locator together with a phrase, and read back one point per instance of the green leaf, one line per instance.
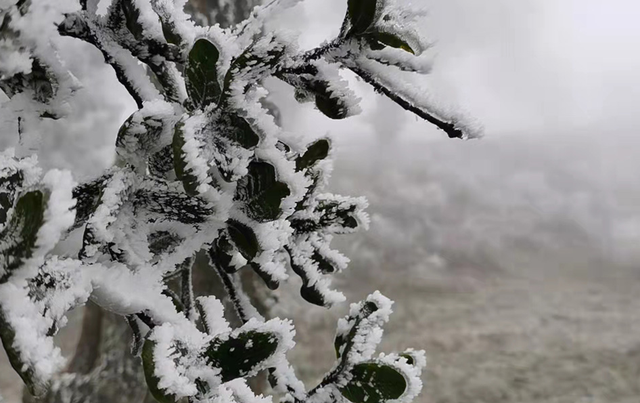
(131, 15)
(88, 196)
(392, 40)
(201, 74)
(149, 367)
(241, 354)
(325, 266)
(261, 192)
(169, 32)
(189, 181)
(316, 152)
(312, 295)
(410, 359)
(244, 238)
(237, 129)
(331, 107)
(260, 64)
(362, 14)
(7, 336)
(8, 188)
(268, 279)
(344, 341)
(374, 383)
(20, 234)
(221, 252)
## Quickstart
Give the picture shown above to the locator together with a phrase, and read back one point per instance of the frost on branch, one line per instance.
(202, 165)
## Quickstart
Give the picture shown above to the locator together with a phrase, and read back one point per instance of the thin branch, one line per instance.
(449, 128)
(234, 289)
(146, 319)
(76, 25)
(138, 340)
(186, 279)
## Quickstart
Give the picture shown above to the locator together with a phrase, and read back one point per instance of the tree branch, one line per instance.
(449, 128)
(76, 25)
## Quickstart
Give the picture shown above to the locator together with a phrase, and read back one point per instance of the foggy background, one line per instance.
(512, 259)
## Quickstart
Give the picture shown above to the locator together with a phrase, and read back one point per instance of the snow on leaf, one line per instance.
(374, 383)
(202, 75)
(261, 193)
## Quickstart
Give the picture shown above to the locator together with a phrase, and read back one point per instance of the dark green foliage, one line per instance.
(312, 295)
(392, 40)
(317, 151)
(261, 193)
(87, 196)
(241, 354)
(221, 253)
(362, 14)
(172, 205)
(201, 76)
(374, 383)
(309, 292)
(7, 336)
(344, 341)
(244, 239)
(409, 358)
(8, 188)
(189, 181)
(324, 265)
(19, 236)
(250, 62)
(331, 107)
(161, 163)
(146, 134)
(131, 15)
(237, 129)
(163, 242)
(170, 33)
(268, 279)
(148, 364)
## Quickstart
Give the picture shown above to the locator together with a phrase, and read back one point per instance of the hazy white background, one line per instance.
(513, 259)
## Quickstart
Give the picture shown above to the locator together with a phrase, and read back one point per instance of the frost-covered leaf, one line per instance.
(334, 214)
(236, 128)
(87, 196)
(222, 251)
(392, 40)
(9, 185)
(252, 65)
(131, 15)
(317, 151)
(244, 238)
(202, 75)
(344, 337)
(359, 333)
(261, 193)
(241, 353)
(331, 107)
(19, 236)
(374, 383)
(156, 197)
(321, 81)
(362, 14)
(269, 279)
(26, 372)
(149, 367)
(180, 164)
(146, 132)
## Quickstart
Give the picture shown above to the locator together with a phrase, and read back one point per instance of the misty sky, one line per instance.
(529, 66)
